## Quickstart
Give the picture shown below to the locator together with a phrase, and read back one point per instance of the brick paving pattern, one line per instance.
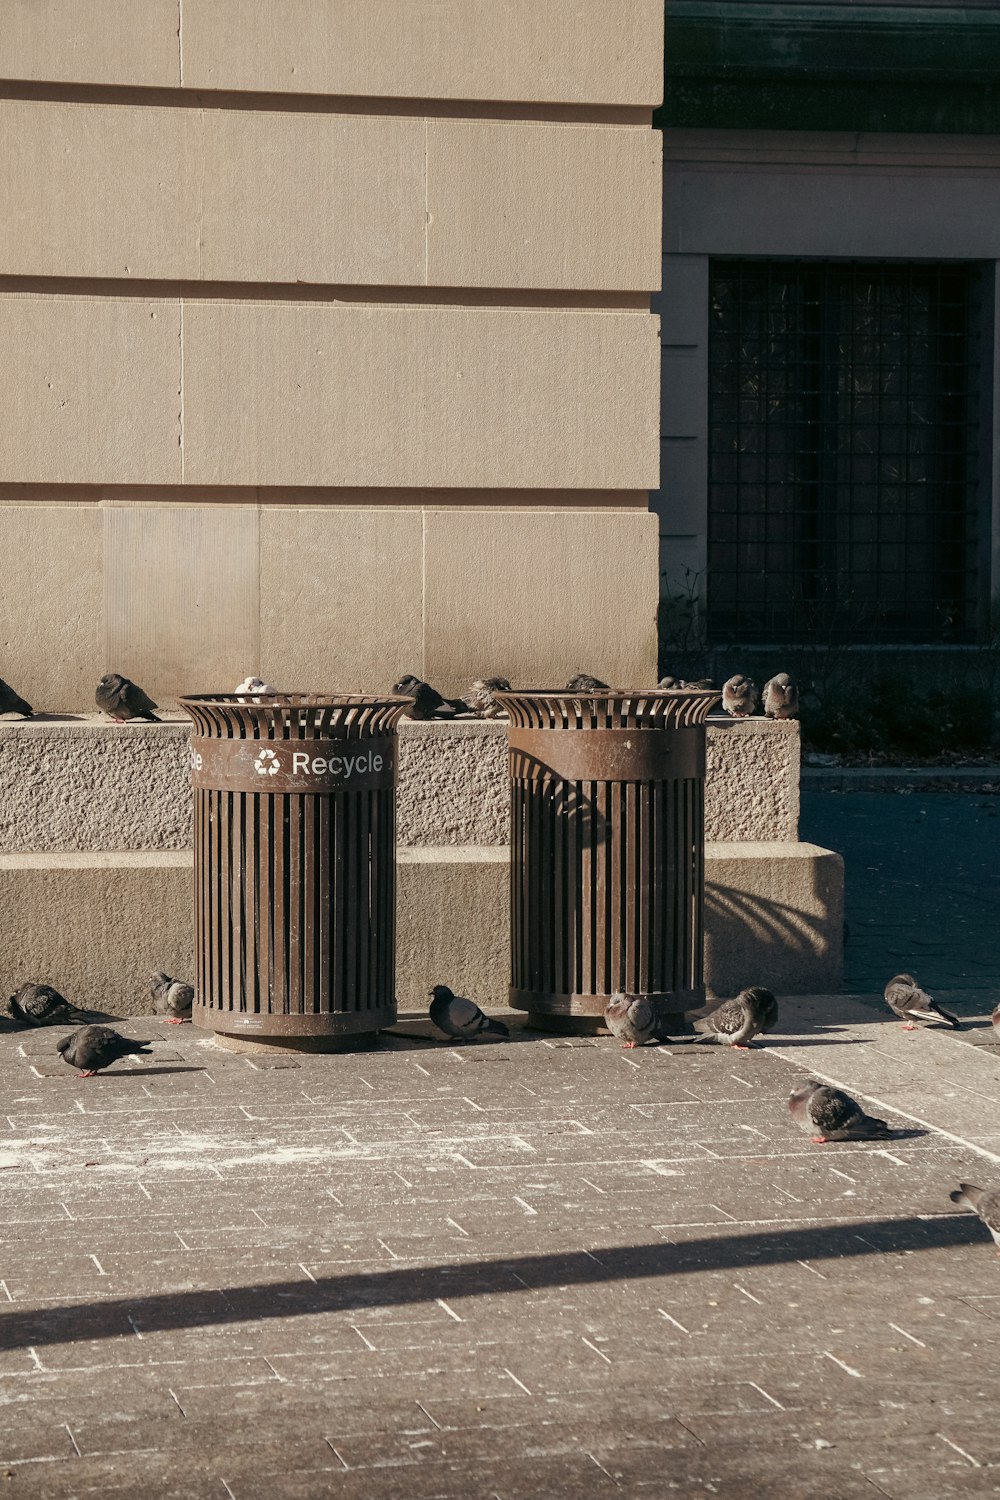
(540, 1268)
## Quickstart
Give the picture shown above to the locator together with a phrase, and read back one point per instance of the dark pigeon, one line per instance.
(736, 1022)
(172, 999)
(833, 1115)
(461, 1018)
(95, 1047)
(480, 697)
(13, 703)
(633, 1020)
(739, 697)
(427, 701)
(40, 1005)
(582, 683)
(780, 699)
(983, 1201)
(121, 699)
(910, 1003)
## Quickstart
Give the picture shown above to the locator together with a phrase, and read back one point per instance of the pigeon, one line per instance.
(983, 1201)
(427, 702)
(481, 700)
(739, 697)
(700, 684)
(995, 1022)
(458, 1017)
(95, 1047)
(13, 703)
(780, 698)
(736, 1022)
(40, 1005)
(833, 1115)
(910, 1003)
(252, 687)
(172, 999)
(667, 682)
(123, 700)
(632, 1018)
(581, 683)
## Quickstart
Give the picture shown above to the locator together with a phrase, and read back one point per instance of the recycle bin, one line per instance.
(294, 863)
(607, 879)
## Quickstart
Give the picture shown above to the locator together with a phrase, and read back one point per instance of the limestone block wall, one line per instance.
(329, 350)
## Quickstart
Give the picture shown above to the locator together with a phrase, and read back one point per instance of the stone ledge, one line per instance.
(84, 783)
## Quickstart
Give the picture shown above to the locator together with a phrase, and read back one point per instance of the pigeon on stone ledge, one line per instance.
(632, 1019)
(172, 999)
(121, 699)
(833, 1115)
(739, 697)
(461, 1018)
(780, 698)
(427, 701)
(582, 683)
(910, 1003)
(480, 697)
(95, 1047)
(40, 1005)
(736, 1022)
(13, 703)
(983, 1201)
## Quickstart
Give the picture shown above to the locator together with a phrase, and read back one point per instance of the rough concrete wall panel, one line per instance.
(556, 206)
(430, 396)
(89, 389)
(91, 41)
(554, 51)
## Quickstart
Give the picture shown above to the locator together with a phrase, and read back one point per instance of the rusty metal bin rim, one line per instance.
(640, 708)
(283, 716)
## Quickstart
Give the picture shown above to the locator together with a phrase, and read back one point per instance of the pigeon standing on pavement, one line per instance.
(736, 1022)
(95, 1047)
(632, 1019)
(583, 683)
(983, 1201)
(461, 1018)
(172, 999)
(833, 1115)
(13, 703)
(121, 699)
(40, 1005)
(780, 698)
(995, 1022)
(253, 687)
(910, 1003)
(739, 697)
(480, 697)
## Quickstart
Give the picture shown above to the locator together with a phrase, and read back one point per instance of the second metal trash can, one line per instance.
(607, 850)
(295, 863)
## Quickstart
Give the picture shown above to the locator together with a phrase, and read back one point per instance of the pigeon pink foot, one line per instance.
(818, 1140)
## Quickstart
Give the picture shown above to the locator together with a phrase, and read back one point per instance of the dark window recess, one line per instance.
(843, 453)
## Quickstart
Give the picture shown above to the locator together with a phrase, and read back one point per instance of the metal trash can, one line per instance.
(607, 880)
(294, 863)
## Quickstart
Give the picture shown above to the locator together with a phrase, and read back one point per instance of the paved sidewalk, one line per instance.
(542, 1268)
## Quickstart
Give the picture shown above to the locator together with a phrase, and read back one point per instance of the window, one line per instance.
(843, 453)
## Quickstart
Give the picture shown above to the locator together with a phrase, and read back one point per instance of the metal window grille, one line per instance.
(843, 453)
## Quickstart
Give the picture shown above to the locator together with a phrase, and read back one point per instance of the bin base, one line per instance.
(287, 1046)
(293, 1029)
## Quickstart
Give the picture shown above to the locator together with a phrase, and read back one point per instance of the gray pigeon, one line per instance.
(983, 1201)
(172, 999)
(461, 1018)
(739, 697)
(632, 1018)
(699, 683)
(667, 682)
(995, 1022)
(13, 703)
(121, 699)
(481, 700)
(40, 1005)
(780, 697)
(833, 1115)
(910, 1003)
(95, 1047)
(736, 1022)
(582, 683)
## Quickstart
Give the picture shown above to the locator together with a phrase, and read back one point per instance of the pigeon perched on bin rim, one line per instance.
(40, 1005)
(172, 999)
(739, 696)
(983, 1201)
(480, 697)
(584, 683)
(253, 687)
(736, 1022)
(122, 699)
(699, 684)
(780, 698)
(667, 682)
(95, 1047)
(461, 1018)
(633, 1020)
(833, 1115)
(13, 703)
(910, 1003)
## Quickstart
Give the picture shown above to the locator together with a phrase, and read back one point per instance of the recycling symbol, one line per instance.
(267, 763)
